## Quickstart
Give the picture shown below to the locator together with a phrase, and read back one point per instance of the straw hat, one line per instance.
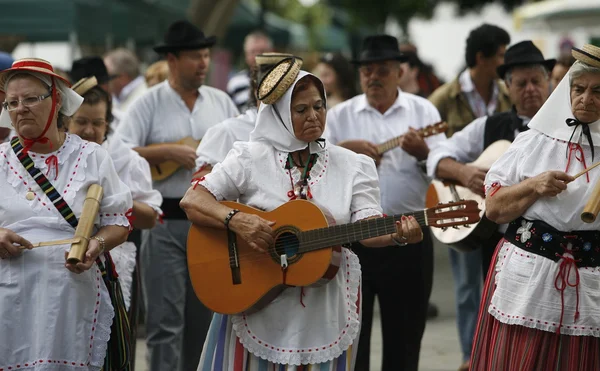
(589, 54)
(84, 85)
(32, 65)
(278, 80)
(273, 58)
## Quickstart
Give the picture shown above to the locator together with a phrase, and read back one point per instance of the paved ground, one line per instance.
(440, 348)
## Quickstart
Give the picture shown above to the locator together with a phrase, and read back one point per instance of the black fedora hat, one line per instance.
(88, 67)
(182, 35)
(379, 48)
(522, 54)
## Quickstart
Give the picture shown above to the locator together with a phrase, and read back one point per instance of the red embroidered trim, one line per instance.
(130, 218)
(495, 187)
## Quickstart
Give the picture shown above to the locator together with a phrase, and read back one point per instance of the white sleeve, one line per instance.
(464, 146)
(214, 146)
(432, 116)
(116, 201)
(507, 170)
(365, 191)
(140, 184)
(134, 127)
(229, 179)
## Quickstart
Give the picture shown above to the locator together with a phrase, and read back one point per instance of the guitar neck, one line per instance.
(352, 232)
(395, 142)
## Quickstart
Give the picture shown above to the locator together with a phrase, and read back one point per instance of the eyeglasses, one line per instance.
(368, 69)
(12, 105)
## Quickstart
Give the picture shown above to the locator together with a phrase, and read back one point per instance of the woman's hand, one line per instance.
(93, 251)
(551, 183)
(408, 230)
(9, 241)
(254, 230)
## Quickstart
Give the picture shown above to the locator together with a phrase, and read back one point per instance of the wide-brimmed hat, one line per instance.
(523, 54)
(379, 48)
(88, 67)
(278, 80)
(589, 54)
(182, 35)
(33, 65)
(84, 85)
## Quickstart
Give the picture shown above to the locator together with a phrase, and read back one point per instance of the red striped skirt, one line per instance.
(501, 347)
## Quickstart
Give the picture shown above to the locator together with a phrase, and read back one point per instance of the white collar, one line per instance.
(363, 103)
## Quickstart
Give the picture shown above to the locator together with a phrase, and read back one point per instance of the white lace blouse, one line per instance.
(526, 294)
(310, 325)
(40, 300)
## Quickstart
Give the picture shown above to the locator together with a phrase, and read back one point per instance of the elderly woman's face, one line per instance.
(89, 122)
(29, 122)
(308, 113)
(585, 97)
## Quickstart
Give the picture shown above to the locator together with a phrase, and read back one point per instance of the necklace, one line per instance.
(301, 189)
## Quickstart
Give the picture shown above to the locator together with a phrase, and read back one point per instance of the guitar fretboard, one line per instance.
(351, 232)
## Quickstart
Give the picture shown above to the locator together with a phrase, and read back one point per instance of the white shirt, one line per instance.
(130, 92)
(476, 102)
(403, 184)
(464, 146)
(40, 300)
(161, 116)
(525, 281)
(219, 139)
(343, 183)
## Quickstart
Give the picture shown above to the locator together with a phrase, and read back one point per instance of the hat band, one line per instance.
(26, 63)
(587, 54)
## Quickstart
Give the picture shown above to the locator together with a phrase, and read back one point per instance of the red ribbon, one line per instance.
(579, 156)
(52, 161)
(130, 218)
(561, 282)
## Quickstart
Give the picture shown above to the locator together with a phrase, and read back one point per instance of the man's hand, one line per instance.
(183, 155)
(414, 145)
(363, 147)
(472, 177)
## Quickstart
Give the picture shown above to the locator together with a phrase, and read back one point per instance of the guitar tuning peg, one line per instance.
(455, 226)
(444, 229)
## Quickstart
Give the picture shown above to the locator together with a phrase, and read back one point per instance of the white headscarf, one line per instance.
(270, 128)
(70, 100)
(551, 118)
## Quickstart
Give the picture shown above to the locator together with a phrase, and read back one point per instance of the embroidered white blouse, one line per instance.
(40, 300)
(525, 292)
(346, 185)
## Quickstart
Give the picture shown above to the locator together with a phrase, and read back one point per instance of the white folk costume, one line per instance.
(219, 139)
(51, 318)
(134, 171)
(303, 326)
(541, 302)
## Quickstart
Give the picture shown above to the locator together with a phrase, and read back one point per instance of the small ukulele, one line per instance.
(232, 277)
(427, 131)
(166, 169)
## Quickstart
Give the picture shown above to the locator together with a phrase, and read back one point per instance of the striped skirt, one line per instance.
(224, 352)
(501, 347)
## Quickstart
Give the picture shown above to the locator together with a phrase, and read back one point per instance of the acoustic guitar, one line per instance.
(166, 169)
(231, 278)
(466, 238)
(425, 132)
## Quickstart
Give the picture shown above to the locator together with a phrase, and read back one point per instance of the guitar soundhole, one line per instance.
(287, 243)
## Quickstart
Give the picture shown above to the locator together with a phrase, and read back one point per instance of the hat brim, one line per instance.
(4, 74)
(199, 44)
(383, 58)
(585, 57)
(502, 69)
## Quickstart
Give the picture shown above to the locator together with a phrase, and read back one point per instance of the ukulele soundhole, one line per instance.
(287, 243)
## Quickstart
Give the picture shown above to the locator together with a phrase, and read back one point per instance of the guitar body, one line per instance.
(166, 169)
(471, 237)
(261, 275)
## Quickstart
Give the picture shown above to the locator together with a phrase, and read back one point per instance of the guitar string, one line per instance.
(306, 247)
